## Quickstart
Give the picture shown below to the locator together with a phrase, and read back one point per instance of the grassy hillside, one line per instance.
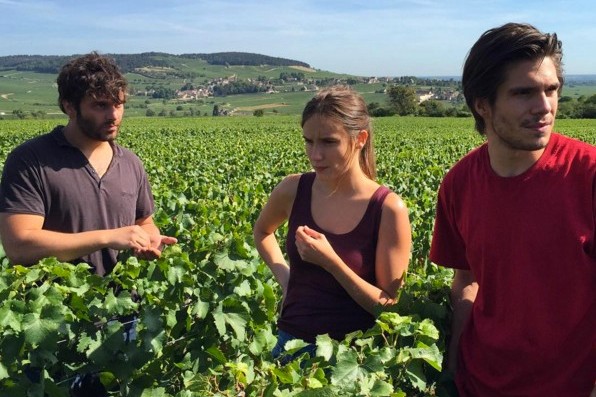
(281, 87)
(32, 91)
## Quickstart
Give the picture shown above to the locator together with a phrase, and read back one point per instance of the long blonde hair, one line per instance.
(345, 105)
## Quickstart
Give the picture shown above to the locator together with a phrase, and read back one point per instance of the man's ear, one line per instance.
(482, 106)
(69, 109)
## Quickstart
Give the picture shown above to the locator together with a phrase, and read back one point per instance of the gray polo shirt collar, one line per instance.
(58, 135)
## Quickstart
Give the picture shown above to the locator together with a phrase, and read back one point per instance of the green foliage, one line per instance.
(402, 99)
(19, 113)
(375, 110)
(433, 108)
(207, 308)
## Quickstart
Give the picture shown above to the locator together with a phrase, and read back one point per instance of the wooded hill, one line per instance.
(130, 62)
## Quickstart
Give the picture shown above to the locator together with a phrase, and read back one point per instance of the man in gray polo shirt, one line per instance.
(74, 193)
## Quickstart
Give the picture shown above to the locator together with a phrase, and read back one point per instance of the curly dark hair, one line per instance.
(489, 58)
(91, 74)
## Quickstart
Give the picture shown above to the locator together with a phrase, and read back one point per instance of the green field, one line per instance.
(208, 307)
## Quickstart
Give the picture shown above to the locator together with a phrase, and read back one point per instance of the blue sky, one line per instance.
(367, 38)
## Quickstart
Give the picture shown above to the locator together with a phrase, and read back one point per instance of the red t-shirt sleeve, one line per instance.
(594, 215)
(447, 246)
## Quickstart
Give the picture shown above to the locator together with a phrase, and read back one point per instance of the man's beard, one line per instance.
(94, 130)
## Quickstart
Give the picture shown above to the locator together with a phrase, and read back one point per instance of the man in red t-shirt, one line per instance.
(516, 219)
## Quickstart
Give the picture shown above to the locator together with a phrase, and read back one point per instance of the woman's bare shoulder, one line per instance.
(286, 189)
(395, 204)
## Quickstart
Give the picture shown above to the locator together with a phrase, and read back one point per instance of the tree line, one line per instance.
(244, 59)
(402, 100)
(130, 62)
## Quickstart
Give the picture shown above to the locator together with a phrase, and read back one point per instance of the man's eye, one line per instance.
(552, 91)
(522, 92)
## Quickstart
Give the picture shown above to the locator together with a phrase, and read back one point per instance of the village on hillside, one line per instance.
(441, 90)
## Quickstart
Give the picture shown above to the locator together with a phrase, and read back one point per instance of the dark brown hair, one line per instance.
(90, 74)
(488, 61)
(345, 105)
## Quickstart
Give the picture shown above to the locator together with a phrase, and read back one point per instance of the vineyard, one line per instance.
(206, 310)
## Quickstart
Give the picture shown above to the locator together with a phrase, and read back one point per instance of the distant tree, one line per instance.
(237, 87)
(580, 108)
(591, 99)
(187, 86)
(164, 93)
(383, 112)
(372, 106)
(568, 109)
(375, 110)
(297, 76)
(402, 99)
(258, 113)
(18, 113)
(589, 111)
(215, 110)
(433, 108)
(451, 111)
(150, 113)
(39, 114)
(464, 111)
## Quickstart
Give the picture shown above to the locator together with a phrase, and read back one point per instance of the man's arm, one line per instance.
(25, 242)
(157, 241)
(463, 294)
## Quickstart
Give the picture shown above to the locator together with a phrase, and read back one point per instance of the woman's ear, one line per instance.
(361, 139)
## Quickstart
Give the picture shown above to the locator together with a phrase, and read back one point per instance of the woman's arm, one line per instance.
(393, 253)
(394, 247)
(275, 212)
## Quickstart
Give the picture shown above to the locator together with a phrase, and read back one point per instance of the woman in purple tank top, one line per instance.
(349, 238)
